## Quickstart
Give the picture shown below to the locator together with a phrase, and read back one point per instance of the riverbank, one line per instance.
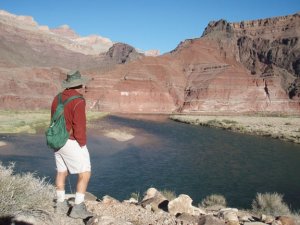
(12, 122)
(284, 128)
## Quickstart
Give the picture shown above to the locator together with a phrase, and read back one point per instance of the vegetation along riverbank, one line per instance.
(284, 128)
(32, 121)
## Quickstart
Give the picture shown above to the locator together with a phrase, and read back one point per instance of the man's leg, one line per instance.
(61, 206)
(62, 173)
(60, 185)
(82, 183)
(61, 180)
(79, 164)
(79, 209)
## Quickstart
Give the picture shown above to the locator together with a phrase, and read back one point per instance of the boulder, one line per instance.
(229, 215)
(150, 193)
(276, 222)
(210, 220)
(245, 216)
(286, 220)
(254, 223)
(106, 220)
(155, 199)
(109, 200)
(183, 204)
(131, 201)
(267, 218)
(188, 219)
(90, 197)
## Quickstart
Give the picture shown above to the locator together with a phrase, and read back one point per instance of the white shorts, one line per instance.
(73, 158)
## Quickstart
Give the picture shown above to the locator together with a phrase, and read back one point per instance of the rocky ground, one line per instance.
(155, 209)
(284, 128)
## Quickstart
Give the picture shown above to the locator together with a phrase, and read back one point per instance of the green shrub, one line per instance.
(23, 193)
(229, 121)
(214, 123)
(170, 195)
(136, 196)
(212, 200)
(270, 204)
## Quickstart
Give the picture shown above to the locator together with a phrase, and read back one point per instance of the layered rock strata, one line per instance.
(246, 67)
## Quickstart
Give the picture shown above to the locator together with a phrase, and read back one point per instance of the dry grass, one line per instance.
(23, 193)
(23, 121)
(31, 121)
(136, 196)
(27, 199)
(170, 195)
(213, 200)
(270, 204)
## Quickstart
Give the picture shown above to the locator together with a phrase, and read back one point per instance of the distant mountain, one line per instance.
(33, 59)
(245, 67)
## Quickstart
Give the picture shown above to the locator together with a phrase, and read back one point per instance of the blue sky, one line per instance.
(146, 24)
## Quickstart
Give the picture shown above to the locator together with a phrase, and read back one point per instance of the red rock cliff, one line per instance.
(251, 66)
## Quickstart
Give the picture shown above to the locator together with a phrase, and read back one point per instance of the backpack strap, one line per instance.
(54, 118)
(72, 98)
(60, 98)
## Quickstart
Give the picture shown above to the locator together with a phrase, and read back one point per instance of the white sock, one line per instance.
(79, 197)
(60, 195)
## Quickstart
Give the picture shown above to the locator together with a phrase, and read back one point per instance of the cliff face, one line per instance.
(250, 66)
(267, 47)
(245, 67)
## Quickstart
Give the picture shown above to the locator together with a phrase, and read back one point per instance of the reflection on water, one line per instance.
(197, 161)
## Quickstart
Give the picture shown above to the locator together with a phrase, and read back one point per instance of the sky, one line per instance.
(146, 24)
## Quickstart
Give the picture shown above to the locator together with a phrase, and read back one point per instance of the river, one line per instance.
(194, 160)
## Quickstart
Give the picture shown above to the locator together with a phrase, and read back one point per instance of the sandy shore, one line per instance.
(119, 135)
(2, 143)
(284, 128)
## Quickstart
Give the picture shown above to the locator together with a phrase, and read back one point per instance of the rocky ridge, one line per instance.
(63, 35)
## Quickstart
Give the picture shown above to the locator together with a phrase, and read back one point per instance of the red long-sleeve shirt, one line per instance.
(75, 116)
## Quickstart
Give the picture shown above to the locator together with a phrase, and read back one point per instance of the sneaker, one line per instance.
(80, 212)
(61, 207)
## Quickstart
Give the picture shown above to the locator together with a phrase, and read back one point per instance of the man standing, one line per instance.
(73, 157)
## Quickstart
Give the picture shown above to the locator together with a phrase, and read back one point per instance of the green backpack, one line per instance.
(57, 134)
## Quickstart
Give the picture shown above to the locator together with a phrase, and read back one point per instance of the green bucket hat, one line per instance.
(74, 79)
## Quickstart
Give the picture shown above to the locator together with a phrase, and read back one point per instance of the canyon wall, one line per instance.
(234, 68)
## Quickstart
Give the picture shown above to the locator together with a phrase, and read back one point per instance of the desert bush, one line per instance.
(136, 196)
(270, 204)
(170, 195)
(212, 200)
(296, 216)
(229, 121)
(23, 193)
(214, 123)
